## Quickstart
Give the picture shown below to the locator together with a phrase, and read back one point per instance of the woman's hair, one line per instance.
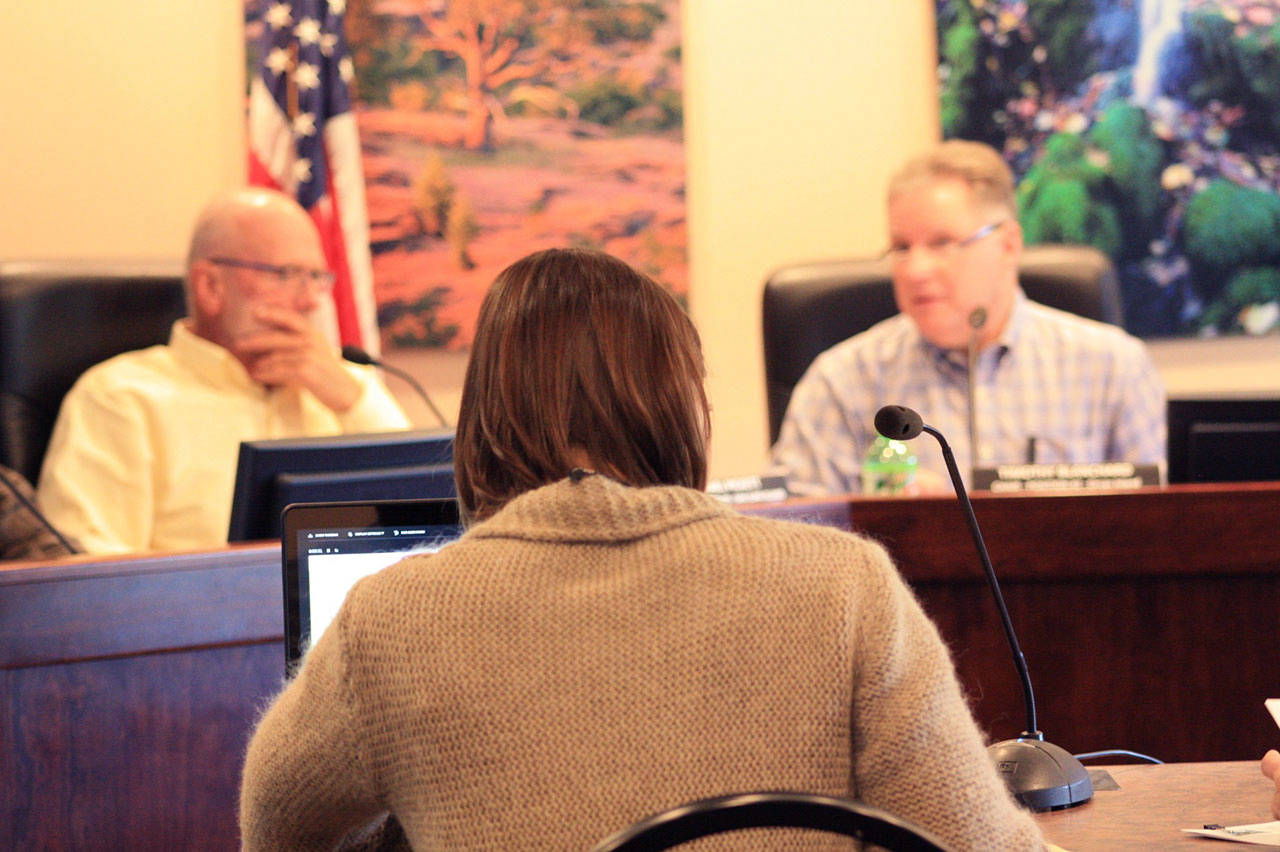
(579, 359)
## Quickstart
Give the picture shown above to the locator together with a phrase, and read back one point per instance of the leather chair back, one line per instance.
(810, 307)
(57, 319)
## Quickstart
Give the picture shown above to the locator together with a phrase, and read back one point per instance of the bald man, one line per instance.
(143, 455)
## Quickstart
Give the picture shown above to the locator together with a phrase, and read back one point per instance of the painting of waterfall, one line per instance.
(1147, 128)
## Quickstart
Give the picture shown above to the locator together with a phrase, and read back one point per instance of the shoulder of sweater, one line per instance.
(826, 545)
(847, 547)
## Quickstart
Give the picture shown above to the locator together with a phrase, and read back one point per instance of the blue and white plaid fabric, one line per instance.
(1086, 392)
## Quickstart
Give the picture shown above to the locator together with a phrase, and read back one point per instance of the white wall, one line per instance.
(120, 119)
(796, 113)
(123, 117)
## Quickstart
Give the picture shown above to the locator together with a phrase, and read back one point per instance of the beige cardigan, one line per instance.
(595, 653)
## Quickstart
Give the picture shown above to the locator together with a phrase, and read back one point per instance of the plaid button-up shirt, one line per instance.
(1083, 390)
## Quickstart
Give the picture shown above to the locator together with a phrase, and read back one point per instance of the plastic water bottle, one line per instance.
(889, 467)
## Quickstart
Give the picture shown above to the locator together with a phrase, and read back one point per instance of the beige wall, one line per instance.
(122, 118)
(795, 114)
(119, 120)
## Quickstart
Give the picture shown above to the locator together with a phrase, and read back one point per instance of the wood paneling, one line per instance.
(1154, 803)
(129, 690)
(1149, 621)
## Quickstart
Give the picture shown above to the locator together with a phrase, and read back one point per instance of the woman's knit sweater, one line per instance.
(595, 653)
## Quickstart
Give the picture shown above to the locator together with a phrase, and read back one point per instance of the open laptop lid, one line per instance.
(327, 547)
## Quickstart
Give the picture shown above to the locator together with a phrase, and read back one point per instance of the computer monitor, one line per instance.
(1224, 439)
(271, 474)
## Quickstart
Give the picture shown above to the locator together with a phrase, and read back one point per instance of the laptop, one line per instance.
(327, 547)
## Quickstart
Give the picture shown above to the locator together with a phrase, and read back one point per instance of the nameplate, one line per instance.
(749, 489)
(1099, 476)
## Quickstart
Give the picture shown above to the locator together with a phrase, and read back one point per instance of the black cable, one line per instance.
(1117, 752)
(30, 507)
(356, 355)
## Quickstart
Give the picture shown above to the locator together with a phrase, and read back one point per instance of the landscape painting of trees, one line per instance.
(1147, 128)
(493, 128)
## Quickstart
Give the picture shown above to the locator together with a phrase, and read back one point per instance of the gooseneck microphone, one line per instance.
(36, 513)
(356, 355)
(1040, 775)
(977, 319)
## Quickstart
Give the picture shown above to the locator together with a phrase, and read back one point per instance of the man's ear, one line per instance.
(208, 290)
(1011, 240)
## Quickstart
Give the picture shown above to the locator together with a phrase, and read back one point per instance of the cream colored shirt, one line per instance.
(143, 456)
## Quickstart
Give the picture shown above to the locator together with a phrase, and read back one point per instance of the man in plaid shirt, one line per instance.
(1048, 386)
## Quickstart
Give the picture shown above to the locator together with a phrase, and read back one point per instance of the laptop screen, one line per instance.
(327, 547)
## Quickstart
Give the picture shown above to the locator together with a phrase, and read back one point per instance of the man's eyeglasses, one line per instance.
(945, 249)
(317, 281)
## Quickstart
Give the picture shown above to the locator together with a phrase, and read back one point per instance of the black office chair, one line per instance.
(57, 319)
(770, 810)
(810, 307)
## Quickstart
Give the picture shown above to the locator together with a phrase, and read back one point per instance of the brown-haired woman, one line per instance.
(607, 641)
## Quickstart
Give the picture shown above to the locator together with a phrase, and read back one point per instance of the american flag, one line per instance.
(303, 141)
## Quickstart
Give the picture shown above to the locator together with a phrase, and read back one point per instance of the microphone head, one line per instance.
(977, 318)
(356, 355)
(899, 423)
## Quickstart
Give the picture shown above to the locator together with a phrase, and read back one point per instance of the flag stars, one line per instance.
(302, 170)
(337, 7)
(307, 31)
(279, 16)
(304, 124)
(328, 42)
(307, 76)
(346, 69)
(278, 60)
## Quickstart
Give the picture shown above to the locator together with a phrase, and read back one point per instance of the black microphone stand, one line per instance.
(356, 355)
(1040, 775)
(977, 319)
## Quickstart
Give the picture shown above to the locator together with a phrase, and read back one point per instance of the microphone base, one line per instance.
(1041, 775)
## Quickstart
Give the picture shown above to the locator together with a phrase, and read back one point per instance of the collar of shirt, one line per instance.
(955, 362)
(210, 362)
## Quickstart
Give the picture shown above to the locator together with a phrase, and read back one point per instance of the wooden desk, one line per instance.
(129, 687)
(1149, 619)
(1154, 804)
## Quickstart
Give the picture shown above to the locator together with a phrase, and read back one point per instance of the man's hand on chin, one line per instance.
(290, 351)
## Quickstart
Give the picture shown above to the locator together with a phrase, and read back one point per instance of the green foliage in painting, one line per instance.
(1247, 290)
(1064, 198)
(1254, 286)
(1062, 27)
(460, 229)
(611, 23)
(1228, 226)
(417, 323)
(616, 103)
(1235, 69)
(1134, 160)
(960, 49)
